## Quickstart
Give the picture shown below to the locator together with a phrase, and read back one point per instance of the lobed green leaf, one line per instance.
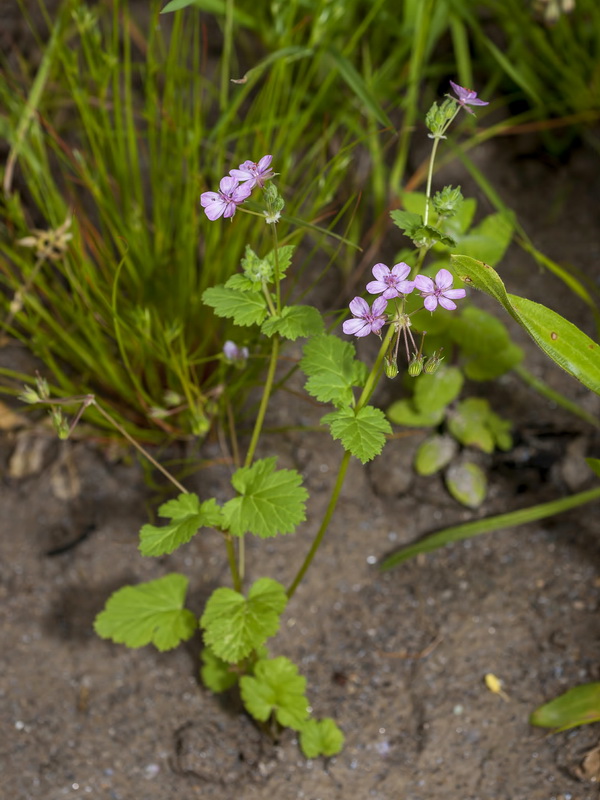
(295, 322)
(187, 516)
(321, 737)
(148, 613)
(276, 688)
(332, 370)
(243, 307)
(235, 626)
(363, 433)
(270, 502)
(216, 674)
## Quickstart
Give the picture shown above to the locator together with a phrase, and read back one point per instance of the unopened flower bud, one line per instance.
(390, 367)
(42, 387)
(415, 368)
(59, 423)
(29, 395)
(433, 362)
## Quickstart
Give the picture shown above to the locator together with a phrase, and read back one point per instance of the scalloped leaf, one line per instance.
(243, 307)
(235, 626)
(295, 322)
(216, 674)
(562, 341)
(332, 369)
(276, 688)
(362, 433)
(321, 737)
(148, 613)
(187, 516)
(271, 501)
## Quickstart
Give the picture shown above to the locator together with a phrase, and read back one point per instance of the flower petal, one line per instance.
(379, 306)
(400, 270)
(206, 198)
(424, 284)
(445, 303)
(444, 279)
(376, 287)
(264, 163)
(455, 294)
(359, 307)
(215, 210)
(356, 327)
(430, 302)
(405, 287)
(240, 174)
(228, 184)
(380, 271)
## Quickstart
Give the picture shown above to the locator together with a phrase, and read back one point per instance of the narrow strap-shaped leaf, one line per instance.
(458, 532)
(562, 341)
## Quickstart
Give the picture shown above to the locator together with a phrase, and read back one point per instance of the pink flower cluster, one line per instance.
(391, 284)
(235, 188)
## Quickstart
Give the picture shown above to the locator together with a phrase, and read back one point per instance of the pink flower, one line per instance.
(225, 202)
(234, 354)
(438, 292)
(367, 320)
(466, 97)
(254, 174)
(390, 283)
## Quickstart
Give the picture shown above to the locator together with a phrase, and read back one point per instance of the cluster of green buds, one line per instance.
(275, 204)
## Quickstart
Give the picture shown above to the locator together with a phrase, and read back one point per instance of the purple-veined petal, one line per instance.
(230, 209)
(446, 303)
(379, 306)
(390, 292)
(430, 302)
(406, 287)
(264, 163)
(454, 294)
(444, 279)
(359, 307)
(424, 284)
(356, 327)
(215, 210)
(400, 270)
(206, 198)
(240, 174)
(228, 184)
(376, 287)
(380, 271)
(241, 193)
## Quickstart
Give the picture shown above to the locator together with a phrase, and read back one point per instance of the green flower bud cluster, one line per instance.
(439, 117)
(448, 201)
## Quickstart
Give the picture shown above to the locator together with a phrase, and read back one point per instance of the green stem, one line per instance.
(235, 574)
(369, 386)
(264, 402)
(436, 142)
(365, 396)
(324, 524)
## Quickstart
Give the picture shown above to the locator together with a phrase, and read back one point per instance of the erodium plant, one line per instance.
(239, 620)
